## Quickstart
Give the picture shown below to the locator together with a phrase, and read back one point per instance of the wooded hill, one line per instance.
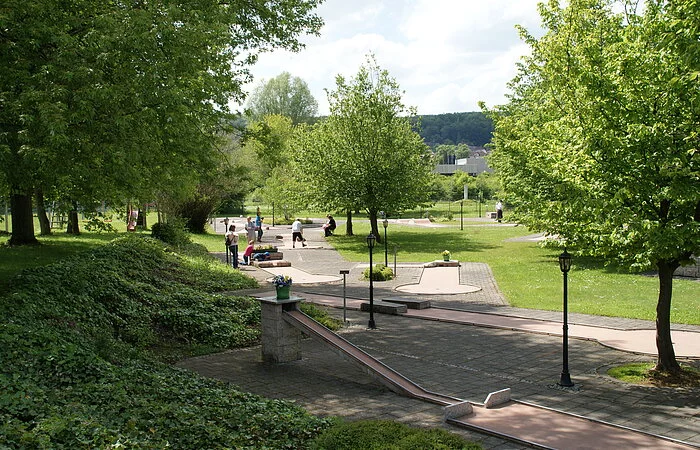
(472, 128)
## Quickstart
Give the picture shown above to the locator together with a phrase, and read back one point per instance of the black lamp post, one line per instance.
(565, 266)
(370, 244)
(386, 251)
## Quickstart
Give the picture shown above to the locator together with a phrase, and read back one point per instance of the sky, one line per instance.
(446, 55)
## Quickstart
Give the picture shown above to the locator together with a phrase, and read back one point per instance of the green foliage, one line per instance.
(108, 101)
(472, 128)
(598, 144)
(382, 434)
(96, 222)
(283, 95)
(380, 272)
(172, 232)
(321, 316)
(365, 154)
(78, 341)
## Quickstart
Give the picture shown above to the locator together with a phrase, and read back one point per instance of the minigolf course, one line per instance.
(498, 415)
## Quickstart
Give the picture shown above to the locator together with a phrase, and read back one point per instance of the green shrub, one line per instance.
(380, 272)
(321, 316)
(382, 434)
(173, 233)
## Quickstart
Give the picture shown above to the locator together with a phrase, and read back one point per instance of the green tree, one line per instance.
(365, 154)
(118, 101)
(599, 142)
(267, 144)
(443, 152)
(283, 95)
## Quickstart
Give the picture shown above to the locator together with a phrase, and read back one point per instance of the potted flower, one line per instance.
(446, 255)
(282, 284)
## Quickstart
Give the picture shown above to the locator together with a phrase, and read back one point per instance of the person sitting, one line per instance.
(329, 226)
(248, 252)
(261, 256)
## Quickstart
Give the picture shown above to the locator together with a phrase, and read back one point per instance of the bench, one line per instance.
(276, 255)
(411, 303)
(491, 215)
(385, 307)
(272, 263)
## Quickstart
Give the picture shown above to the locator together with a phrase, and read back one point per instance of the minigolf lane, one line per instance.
(438, 280)
(546, 428)
(299, 276)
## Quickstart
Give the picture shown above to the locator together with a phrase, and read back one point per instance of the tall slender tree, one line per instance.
(365, 154)
(599, 142)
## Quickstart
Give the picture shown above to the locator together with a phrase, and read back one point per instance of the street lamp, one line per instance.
(370, 244)
(565, 266)
(386, 252)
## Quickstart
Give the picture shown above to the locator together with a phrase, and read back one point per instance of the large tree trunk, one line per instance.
(22, 219)
(667, 357)
(73, 223)
(44, 223)
(348, 223)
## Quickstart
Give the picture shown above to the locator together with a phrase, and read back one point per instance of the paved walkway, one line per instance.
(455, 357)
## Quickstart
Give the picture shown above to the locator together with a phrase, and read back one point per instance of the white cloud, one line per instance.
(445, 54)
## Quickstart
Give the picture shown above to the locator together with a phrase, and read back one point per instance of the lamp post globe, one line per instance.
(565, 266)
(371, 240)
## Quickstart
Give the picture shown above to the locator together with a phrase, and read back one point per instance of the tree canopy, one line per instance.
(283, 95)
(365, 154)
(471, 128)
(599, 142)
(116, 101)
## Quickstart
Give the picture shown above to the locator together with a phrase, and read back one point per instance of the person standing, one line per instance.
(258, 225)
(499, 211)
(232, 244)
(297, 233)
(250, 229)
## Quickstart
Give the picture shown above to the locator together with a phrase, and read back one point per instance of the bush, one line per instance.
(381, 434)
(380, 272)
(172, 233)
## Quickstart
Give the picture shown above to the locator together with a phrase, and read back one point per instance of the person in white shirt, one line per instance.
(499, 210)
(232, 244)
(297, 233)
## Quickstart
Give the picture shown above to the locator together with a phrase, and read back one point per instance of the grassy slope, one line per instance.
(77, 341)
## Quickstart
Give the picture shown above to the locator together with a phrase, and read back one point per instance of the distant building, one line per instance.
(474, 165)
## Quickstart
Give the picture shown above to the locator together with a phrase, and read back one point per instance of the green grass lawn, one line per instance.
(527, 274)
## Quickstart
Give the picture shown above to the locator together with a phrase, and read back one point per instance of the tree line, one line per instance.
(470, 128)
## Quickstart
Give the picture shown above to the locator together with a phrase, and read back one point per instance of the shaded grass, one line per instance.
(644, 374)
(528, 274)
(51, 249)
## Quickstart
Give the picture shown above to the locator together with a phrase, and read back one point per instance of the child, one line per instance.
(248, 252)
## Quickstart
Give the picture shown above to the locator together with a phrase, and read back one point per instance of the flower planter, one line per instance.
(283, 292)
(445, 258)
